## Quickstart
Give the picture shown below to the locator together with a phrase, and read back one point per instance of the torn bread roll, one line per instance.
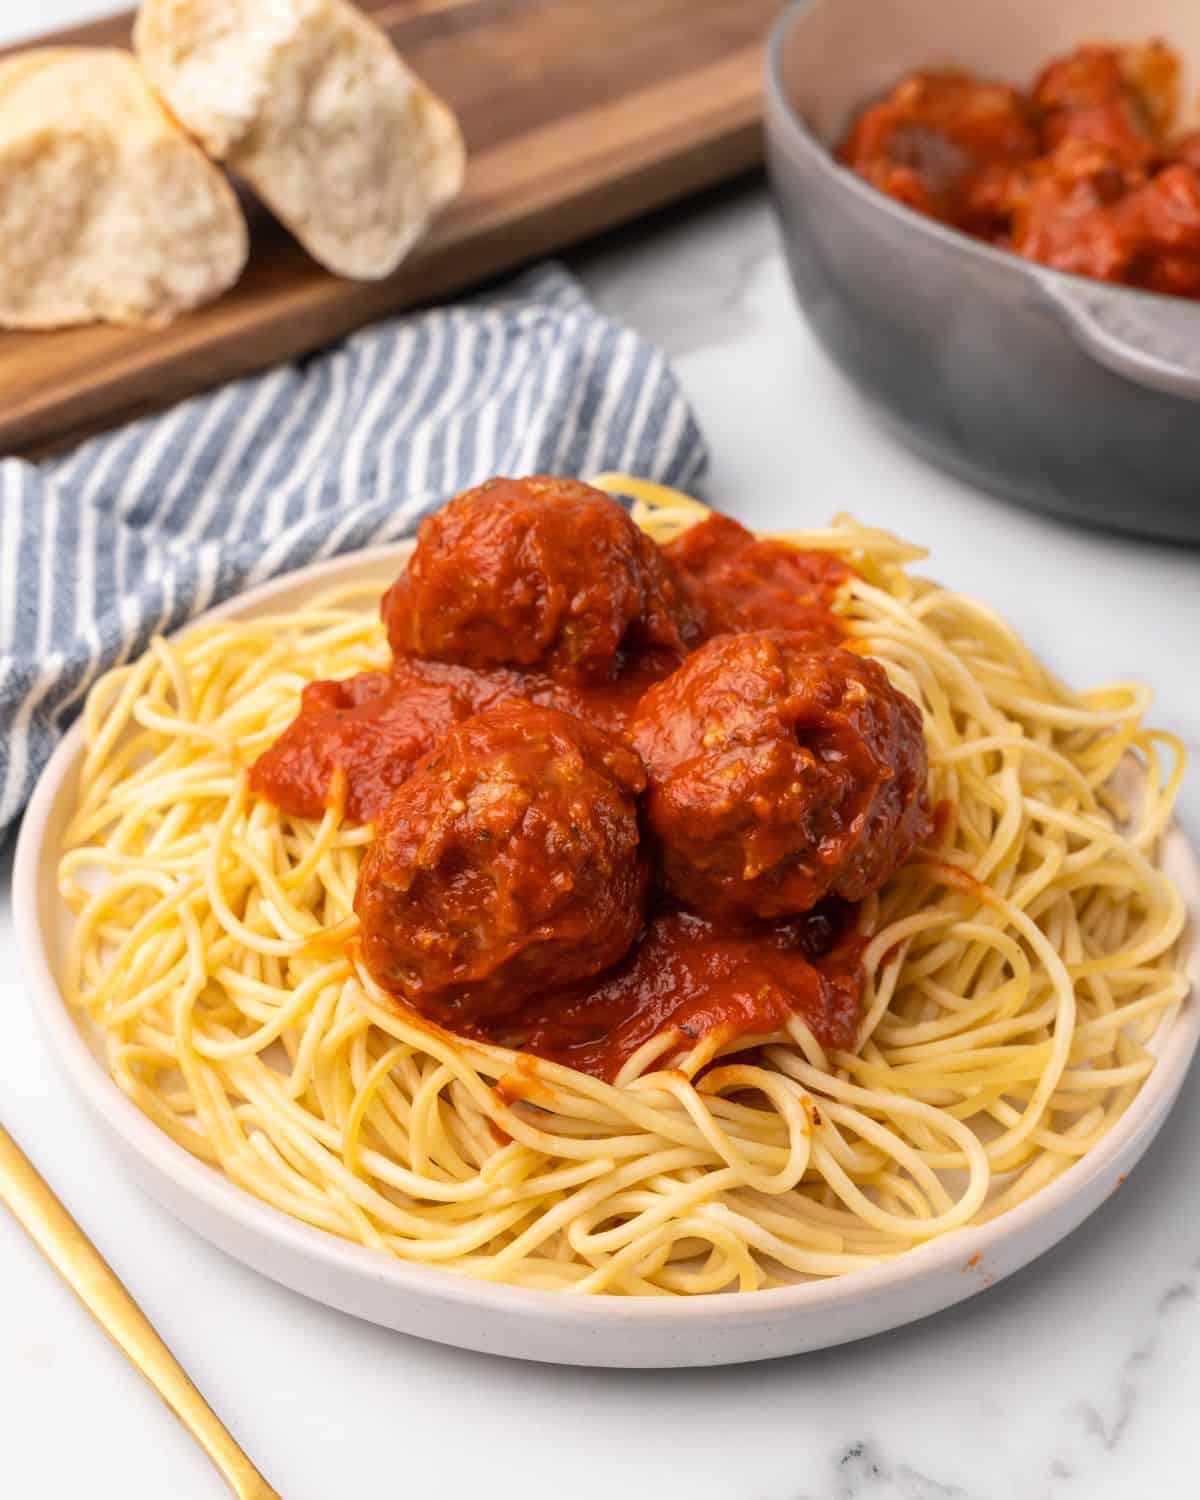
(310, 103)
(108, 212)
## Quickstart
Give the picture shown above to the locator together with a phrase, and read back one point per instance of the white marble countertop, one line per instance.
(1075, 1378)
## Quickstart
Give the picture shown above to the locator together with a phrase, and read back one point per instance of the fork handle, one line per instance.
(93, 1281)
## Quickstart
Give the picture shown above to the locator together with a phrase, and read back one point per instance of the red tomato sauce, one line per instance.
(690, 976)
(736, 581)
(375, 727)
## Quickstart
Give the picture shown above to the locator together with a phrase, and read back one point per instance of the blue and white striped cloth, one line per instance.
(137, 530)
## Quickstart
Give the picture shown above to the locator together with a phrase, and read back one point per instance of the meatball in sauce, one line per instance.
(622, 793)
(779, 775)
(535, 572)
(509, 863)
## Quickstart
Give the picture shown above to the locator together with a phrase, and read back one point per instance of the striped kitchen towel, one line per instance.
(136, 531)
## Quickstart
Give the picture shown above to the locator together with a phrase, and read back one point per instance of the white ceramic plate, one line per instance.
(552, 1326)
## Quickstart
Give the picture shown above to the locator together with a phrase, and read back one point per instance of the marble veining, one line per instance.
(1108, 1424)
(865, 1472)
(869, 1470)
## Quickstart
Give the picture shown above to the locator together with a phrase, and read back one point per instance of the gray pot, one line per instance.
(1050, 389)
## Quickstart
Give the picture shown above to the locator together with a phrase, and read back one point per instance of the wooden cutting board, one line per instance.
(579, 115)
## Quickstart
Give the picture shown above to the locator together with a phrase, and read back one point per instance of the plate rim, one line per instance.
(321, 1250)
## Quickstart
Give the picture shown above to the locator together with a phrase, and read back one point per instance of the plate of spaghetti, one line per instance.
(596, 933)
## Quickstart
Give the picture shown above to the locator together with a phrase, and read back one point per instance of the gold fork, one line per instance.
(96, 1285)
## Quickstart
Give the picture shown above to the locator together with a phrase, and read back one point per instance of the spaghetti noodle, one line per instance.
(1017, 968)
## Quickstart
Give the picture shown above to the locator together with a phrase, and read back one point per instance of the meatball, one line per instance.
(779, 775)
(534, 572)
(939, 142)
(1165, 216)
(1120, 99)
(1069, 212)
(507, 864)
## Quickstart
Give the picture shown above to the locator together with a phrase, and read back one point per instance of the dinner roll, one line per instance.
(107, 210)
(310, 103)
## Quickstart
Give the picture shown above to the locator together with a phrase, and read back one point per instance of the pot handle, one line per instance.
(1152, 340)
